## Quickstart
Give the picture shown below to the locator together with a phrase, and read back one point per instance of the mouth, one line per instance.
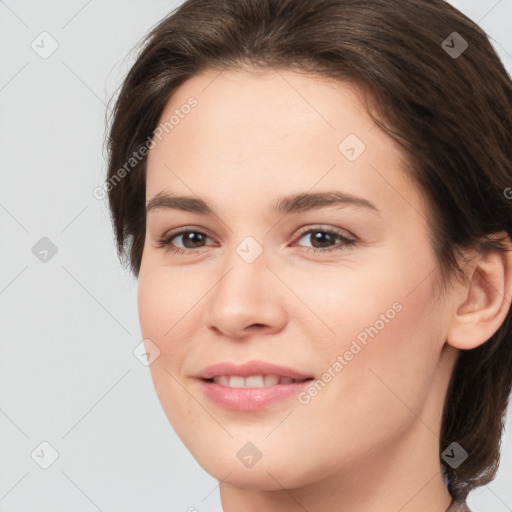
(256, 372)
(252, 385)
(254, 381)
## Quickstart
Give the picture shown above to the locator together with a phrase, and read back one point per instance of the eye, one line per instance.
(191, 240)
(321, 239)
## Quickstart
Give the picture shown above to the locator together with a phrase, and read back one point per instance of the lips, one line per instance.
(250, 369)
(239, 387)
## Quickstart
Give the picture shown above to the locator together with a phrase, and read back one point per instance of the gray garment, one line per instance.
(459, 506)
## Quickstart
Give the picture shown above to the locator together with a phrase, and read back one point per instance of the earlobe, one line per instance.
(483, 302)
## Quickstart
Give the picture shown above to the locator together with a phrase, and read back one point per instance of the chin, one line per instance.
(252, 478)
(267, 474)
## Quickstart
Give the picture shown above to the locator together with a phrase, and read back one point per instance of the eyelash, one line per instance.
(165, 241)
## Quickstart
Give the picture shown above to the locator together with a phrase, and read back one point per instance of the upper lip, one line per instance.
(250, 368)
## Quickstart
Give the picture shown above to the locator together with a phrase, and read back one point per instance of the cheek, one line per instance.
(153, 303)
(163, 319)
(390, 343)
(162, 307)
(353, 301)
(164, 300)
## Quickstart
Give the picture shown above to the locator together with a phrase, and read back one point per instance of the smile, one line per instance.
(252, 381)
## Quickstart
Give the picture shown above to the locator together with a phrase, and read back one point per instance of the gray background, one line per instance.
(69, 326)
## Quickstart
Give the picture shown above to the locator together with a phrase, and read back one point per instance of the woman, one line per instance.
(314, 197)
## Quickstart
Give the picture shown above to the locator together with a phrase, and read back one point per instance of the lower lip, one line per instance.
(250, 399)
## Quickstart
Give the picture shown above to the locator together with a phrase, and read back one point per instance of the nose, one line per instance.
(247, 298)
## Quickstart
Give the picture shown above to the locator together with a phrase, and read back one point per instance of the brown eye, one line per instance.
(190, 240)
(322, 240)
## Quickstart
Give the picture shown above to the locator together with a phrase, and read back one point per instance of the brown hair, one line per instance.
(451, 114)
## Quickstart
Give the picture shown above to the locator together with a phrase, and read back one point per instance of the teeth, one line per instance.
(253, 381)
(271, 380)
(236, 382)
(222, 379)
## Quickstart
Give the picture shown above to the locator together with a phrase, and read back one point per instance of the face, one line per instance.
(339, 288)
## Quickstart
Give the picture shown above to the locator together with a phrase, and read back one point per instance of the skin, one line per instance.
(370, 439)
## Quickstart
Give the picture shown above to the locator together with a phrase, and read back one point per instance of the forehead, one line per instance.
(272, 129)
(244, 111)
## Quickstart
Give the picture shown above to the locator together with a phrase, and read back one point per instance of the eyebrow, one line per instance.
(288, 204)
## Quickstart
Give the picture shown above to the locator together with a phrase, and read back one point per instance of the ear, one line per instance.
(482, 303)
